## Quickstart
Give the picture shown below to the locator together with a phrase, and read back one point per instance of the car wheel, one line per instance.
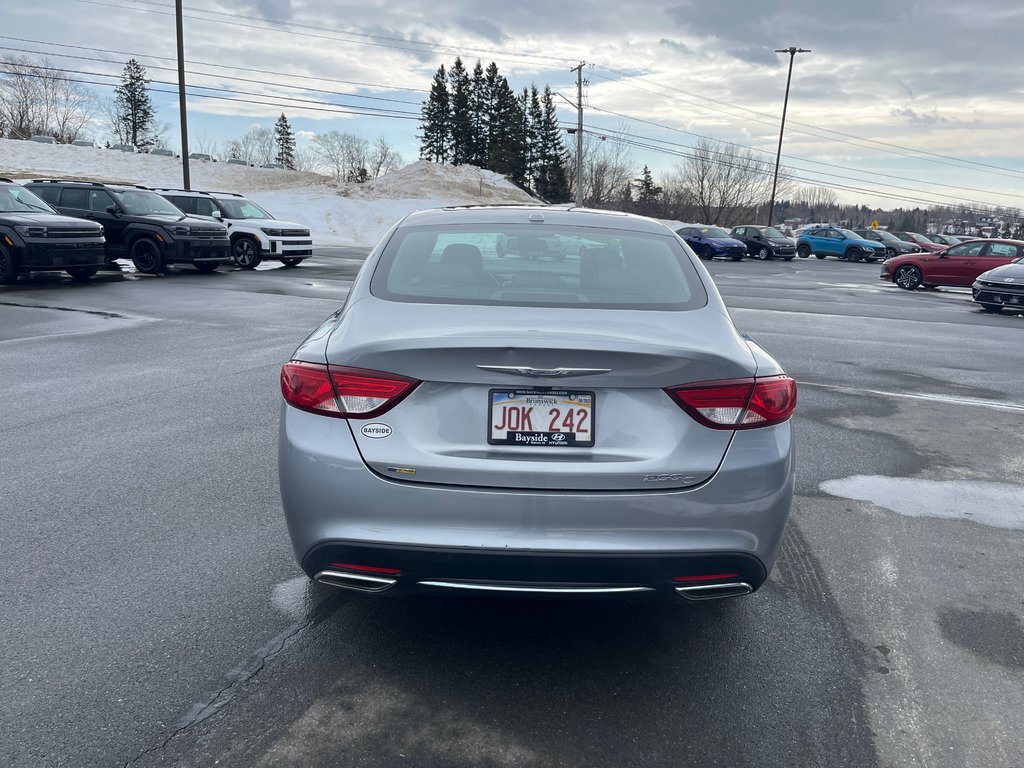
(146, 256)
(246, 253)
(853, 255)
(291, 262)
(206, 266)
(81, 274)
(763, 253)
(803, 251)
(8, 270)
(994, 308)
(907, 277)
(890, 252)
(705, 253)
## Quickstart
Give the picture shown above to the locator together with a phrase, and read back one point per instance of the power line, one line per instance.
(211, 64)
(815, 162)
(888, 147)
(424, 47)
(304, 89)
(328, 108)
(845, 187)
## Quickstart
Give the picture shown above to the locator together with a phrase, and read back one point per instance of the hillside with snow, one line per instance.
(343, 214)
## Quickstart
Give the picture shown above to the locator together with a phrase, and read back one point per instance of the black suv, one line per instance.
(139, 224)
(33, 237)
(765, 242)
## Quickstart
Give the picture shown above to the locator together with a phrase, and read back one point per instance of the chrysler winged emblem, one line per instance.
(523, 370)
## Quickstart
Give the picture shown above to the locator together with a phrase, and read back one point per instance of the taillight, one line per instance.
(738, 403)
(346, 393)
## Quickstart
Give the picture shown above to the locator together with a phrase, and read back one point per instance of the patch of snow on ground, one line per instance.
(999, 505)
(346, 214)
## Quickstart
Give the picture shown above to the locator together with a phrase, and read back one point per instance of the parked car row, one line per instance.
(747, 240)
(81, 227)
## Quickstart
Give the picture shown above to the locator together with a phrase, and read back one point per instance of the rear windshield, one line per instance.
(526, 265)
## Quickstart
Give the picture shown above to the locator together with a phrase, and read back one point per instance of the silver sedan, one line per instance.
(592, 424)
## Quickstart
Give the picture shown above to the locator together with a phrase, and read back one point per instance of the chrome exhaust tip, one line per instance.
(355, 581)
(714, 591)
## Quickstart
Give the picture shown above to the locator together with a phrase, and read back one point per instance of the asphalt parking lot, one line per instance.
(154, 615)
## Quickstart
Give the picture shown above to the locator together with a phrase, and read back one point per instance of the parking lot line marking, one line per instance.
(952, 400)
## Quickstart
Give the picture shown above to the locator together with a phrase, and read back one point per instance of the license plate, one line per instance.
(546, 418)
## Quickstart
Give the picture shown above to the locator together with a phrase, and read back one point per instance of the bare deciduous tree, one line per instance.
(608, 167)
(344, 155)
(255, 146)
(725, 183)
(39, 98)
(383, 158)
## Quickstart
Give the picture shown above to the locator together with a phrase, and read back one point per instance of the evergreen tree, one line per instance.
(435, 134)
(135, 111)
(537, 165)
(508, 135)
(285, 140)
(648, 195)
(479, 113)
(461, 121)
(555, 184)
(492, 139)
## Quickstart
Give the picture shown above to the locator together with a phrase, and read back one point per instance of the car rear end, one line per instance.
(579, 426)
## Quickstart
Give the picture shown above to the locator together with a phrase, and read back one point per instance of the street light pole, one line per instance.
(183, 117)
(792, 51)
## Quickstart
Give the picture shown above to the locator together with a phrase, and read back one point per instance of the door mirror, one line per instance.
(217, 214)
(943, 254)
(113, 210)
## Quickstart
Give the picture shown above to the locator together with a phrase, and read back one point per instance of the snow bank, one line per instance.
(345, 214)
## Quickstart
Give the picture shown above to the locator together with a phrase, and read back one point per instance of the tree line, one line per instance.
(477, 119)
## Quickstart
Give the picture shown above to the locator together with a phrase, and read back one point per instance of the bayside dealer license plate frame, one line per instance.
(540, 402)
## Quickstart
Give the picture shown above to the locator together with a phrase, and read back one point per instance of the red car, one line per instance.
(957, 265)
(920, 240)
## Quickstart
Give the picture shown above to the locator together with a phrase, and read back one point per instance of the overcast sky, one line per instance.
(926, 97)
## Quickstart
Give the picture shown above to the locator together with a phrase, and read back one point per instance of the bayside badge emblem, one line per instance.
(376, 430)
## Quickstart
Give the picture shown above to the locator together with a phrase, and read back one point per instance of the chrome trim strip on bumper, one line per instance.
(535, 590)
(355, 581)
(714, 591)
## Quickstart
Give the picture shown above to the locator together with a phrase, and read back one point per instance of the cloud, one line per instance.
(486, 29)
(921, 118)
(675, 45)
(305, 135)
(272, 10)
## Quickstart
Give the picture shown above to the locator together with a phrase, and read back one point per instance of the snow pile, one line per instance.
(347, 214)
(424, 179)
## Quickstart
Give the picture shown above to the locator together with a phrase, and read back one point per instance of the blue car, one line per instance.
(842, 243)
(708, 242)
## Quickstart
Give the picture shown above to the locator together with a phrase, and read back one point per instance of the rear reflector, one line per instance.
(738, 403)
(367, 568)
(347, 393)
(709, 577)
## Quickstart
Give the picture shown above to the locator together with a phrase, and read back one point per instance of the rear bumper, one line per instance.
(339, 511)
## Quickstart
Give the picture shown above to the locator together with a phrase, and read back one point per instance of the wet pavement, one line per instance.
(154, 614)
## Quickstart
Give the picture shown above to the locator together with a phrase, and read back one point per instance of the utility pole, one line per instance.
(183, 116)
(579, 133)
(792, 51)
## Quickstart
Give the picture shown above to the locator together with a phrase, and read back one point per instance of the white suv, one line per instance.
(255, 234)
